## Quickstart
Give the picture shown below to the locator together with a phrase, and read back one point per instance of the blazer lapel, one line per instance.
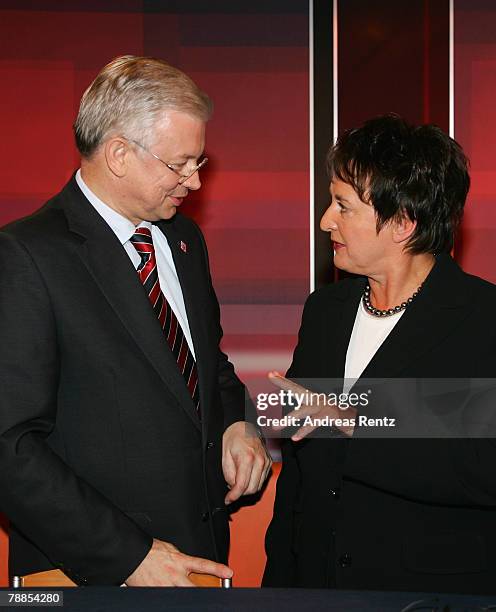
(340, 328)
(186, 262)
(110, 267)
(438, 309)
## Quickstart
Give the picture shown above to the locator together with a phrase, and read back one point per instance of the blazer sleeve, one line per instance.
(453, 466)
(280, 568)
(447, 471)
(76, 527)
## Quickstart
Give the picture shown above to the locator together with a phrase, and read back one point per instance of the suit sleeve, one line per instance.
(235, 402)
(77, 528)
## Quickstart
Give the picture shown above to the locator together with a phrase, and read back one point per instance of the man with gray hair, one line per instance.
(122, 428)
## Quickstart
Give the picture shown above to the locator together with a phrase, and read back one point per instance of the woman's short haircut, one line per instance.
(401, 169)
(129, 95)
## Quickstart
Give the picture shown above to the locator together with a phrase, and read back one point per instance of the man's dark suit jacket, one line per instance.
(101, 448)
(396, 514)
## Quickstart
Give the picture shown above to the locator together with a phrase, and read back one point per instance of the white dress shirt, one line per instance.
(167, 274)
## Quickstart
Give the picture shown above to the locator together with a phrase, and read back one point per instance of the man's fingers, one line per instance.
(245, 461)
(259, 473)
(206, 566)
(165, 565)
(265, 473)
(256, 476)
(229, 469)
(243, 474)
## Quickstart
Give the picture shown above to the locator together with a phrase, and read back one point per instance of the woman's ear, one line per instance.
(403, 228)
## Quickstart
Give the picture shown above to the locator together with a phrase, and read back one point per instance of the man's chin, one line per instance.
(167, 213)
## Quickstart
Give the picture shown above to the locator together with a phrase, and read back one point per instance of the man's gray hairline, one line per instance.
(135, 130)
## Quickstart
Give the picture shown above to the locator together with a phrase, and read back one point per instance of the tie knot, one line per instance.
(143, 243)
(142, 240)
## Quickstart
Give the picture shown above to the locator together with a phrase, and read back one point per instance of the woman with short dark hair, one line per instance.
(363, 510)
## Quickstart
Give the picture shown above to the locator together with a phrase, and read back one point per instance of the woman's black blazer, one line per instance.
(398, 513)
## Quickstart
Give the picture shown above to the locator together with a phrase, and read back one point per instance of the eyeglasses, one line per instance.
(182, 177)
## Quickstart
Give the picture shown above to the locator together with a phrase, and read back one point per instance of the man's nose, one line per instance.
(192, 182)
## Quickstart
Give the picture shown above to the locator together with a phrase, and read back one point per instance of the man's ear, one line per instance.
(403, 228)
(117, 153)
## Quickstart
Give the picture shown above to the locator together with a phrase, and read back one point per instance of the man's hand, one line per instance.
(313, 408)
(245, 461)
(164, 565)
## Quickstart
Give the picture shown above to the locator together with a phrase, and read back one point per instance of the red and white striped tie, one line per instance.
(148, 274)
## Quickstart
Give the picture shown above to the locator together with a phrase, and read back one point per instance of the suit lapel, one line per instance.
(113, 272)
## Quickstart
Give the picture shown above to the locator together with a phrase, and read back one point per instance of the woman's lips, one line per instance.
(337, 245)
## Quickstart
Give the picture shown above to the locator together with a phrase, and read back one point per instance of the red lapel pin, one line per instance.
(184, 247)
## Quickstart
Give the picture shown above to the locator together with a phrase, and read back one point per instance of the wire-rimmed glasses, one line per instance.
(182, 177)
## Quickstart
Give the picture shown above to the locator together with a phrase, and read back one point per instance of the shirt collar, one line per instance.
(122, 227)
